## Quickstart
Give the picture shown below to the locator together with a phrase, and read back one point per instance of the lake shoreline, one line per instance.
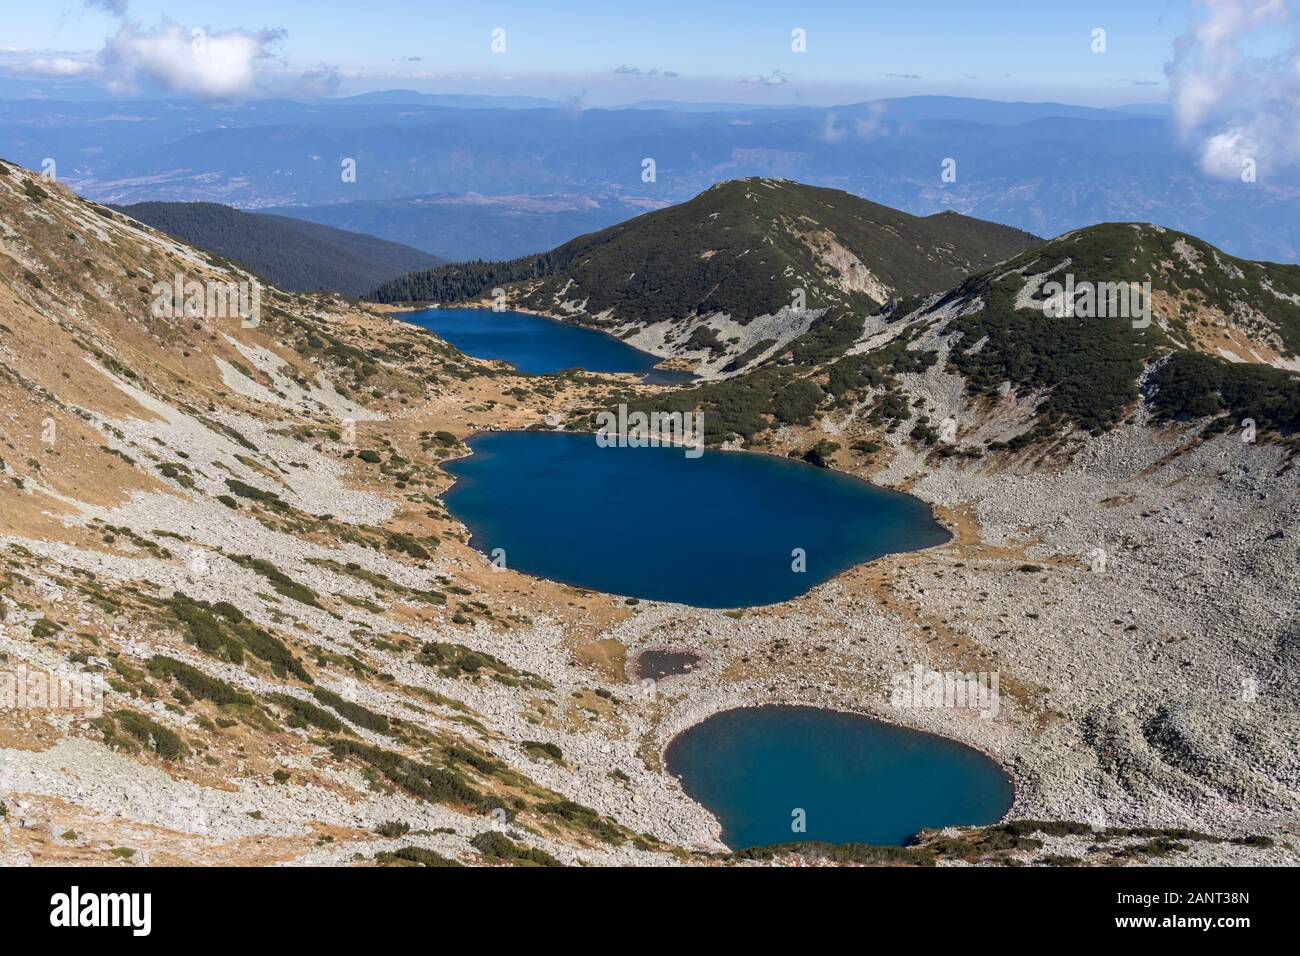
(932, 513)
(663, 366)
(1002, 520)
(710, 702)
(712, 707)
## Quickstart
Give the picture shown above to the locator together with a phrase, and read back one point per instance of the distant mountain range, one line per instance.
(1046, 168)
(456, 100)
(456, 227)
(290, 253)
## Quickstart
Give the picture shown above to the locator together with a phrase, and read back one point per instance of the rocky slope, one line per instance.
(1201, 333)
(746, 262)
(238, 525)
(1154, 316)
(235, 523)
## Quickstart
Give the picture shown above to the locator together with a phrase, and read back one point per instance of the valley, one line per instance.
(308, 660)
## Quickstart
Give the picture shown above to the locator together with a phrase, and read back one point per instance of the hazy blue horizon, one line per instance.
(584, 51)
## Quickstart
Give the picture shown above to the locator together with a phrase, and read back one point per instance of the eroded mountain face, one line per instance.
(813, 300)
(749, 247)
(236, 521)
(1066, 340)
(226, 516)
(1087, 321)
(747, 263)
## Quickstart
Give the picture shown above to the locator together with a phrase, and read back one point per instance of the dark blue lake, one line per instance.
(858, 780)
(715, 531)
(538, 345)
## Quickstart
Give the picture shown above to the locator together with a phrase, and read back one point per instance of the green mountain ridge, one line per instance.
(1218, 343)
(742, 248)
(293, 254)
(889, 297)
(1240, 319)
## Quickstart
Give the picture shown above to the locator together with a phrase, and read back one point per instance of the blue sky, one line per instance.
(733, 51)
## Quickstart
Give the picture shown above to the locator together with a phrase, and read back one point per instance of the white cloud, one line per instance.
(1222, 153)
(211, 65)
(1236, 103)
(869, 126)
(59, 66)
(833, 132)
(775, 78)
(624, 70)
(864, 127)
(322, 81)
(115, 7)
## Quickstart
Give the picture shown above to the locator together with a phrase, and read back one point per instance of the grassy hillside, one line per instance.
(1236, 316)
(740, 248)
(291, 253)
(1222, 337)
(259, 505)
(1220, 343)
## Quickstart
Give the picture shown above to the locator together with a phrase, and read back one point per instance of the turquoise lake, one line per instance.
(857, 780)
(720, 530)
(538, 345)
